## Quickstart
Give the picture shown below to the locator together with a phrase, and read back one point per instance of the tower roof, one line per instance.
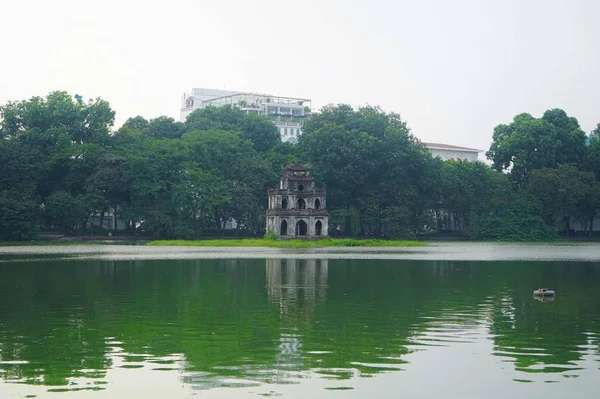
(296, 167)
(296, 171)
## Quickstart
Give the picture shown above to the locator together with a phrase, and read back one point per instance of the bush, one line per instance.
(66, 212)
(19, 215)
(518, 221)
(270, 236)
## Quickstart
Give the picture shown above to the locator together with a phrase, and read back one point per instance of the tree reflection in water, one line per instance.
(65, 324)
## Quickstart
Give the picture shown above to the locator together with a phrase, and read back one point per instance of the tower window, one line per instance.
(301, 204)
(300, 187)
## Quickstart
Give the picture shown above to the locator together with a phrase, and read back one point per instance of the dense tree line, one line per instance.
(62, 163)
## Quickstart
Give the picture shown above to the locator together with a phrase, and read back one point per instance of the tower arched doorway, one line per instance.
(283, 230)
(301, 228)
(318, 228)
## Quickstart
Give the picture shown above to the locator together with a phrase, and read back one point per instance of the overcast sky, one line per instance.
(452, 69)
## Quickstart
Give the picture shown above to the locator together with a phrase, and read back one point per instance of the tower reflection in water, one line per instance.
(296, 286)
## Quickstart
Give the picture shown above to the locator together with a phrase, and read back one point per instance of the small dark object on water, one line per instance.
(543, 292)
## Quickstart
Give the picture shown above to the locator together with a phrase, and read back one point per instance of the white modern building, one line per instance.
(447, 151)
(287, 113)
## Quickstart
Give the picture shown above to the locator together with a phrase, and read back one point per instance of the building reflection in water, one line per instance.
(294, 283)
(296, 286)
(446, 268)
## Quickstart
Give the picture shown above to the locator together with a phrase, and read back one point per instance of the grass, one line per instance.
(262, 242)
(75, 242)
(47, 243)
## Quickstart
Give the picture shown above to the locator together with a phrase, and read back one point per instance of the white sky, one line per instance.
(452, 69)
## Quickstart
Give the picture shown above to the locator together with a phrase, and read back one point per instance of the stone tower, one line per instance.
(297, 208)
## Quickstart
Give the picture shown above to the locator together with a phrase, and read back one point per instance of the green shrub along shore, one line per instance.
(265, 242)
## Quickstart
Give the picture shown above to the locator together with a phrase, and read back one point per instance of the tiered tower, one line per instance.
(297, 209)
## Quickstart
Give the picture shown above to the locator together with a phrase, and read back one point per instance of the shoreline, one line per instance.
(267, 243)
(294, 243)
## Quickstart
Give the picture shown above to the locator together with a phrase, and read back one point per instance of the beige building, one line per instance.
(286, 113)
(447, 151)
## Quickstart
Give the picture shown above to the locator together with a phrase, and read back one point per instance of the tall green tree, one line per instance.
(256, 128)
(20, 169)
(200, 197)
(529, 143)
(233, 159)
(154, 168)
(138, 123)
(562, 193)
(374, 170)
(368, 119)
(593, 156)
(595, 134)
(19, 215)
(67, 212)
(519, 220)
(472, 189)
(164, 127)
(110, 183)
(56, 114)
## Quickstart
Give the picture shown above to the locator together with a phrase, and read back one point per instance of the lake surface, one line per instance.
(449, 320)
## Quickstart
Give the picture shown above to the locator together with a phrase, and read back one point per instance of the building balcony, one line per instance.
(306, 192)
(297, 212)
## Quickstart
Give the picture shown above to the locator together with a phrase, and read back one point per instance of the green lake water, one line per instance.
(152, 323)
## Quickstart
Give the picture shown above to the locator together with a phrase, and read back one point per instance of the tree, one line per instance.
(593, 158)
(280, 155)
(260, 131)
(19, 215)
(68, 168)
(470, 189)
(589, 206)
(63, 132)
(58, 112)
(228, 156)
(138, 123)
(518, 220)
(528, 144)
(343, 160)
(368, 119)
(164, 127)
(595, 134)
(20, 168)
(154, 168)
(374, 170)
(110, 183)
(225, 118)
(67, 212)
(200, 196)
(256, 128)
(562, 193)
